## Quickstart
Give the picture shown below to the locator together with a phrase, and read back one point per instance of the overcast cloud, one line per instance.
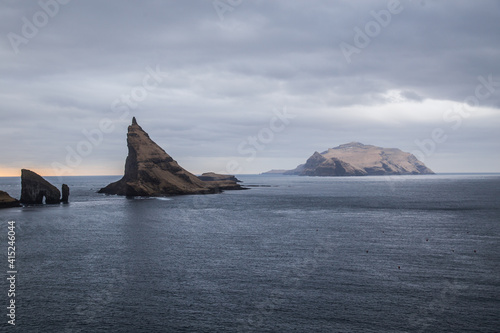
(219, 72)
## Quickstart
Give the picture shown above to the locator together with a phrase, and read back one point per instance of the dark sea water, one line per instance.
(364, 254)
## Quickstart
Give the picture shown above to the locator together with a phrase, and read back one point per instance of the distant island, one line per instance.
(357, 159)
(150, 171)
(274, 172)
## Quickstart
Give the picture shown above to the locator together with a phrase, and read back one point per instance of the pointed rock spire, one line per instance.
(150, 171)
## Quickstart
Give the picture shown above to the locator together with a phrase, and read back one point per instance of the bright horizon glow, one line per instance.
(252, 174)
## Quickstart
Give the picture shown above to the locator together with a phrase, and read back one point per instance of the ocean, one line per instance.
(292, 254)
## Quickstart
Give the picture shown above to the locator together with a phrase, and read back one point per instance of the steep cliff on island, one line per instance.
(150, 171)
(357, 159)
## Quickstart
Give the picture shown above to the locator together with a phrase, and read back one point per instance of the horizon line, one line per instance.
(261, 173)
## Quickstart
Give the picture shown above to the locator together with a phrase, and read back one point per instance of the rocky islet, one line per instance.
(150, 171)
(357, 159)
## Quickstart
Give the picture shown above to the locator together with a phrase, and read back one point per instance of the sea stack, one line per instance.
(357, 159)
(6, 201)
(150, 171)
(65, 193)
(34, 188)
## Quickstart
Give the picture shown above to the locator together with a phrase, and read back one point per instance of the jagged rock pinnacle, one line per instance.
(150, 171)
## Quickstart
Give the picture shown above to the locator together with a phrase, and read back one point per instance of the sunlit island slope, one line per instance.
(357, 159)
(150, 171)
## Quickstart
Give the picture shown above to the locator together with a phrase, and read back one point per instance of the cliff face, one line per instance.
(150, 171)
(34, 188)
(357, 159)
(6, 201)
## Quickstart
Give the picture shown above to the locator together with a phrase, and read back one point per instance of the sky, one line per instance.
(242, 86)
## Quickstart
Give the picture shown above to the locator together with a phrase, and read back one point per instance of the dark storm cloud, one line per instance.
(221, 79)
